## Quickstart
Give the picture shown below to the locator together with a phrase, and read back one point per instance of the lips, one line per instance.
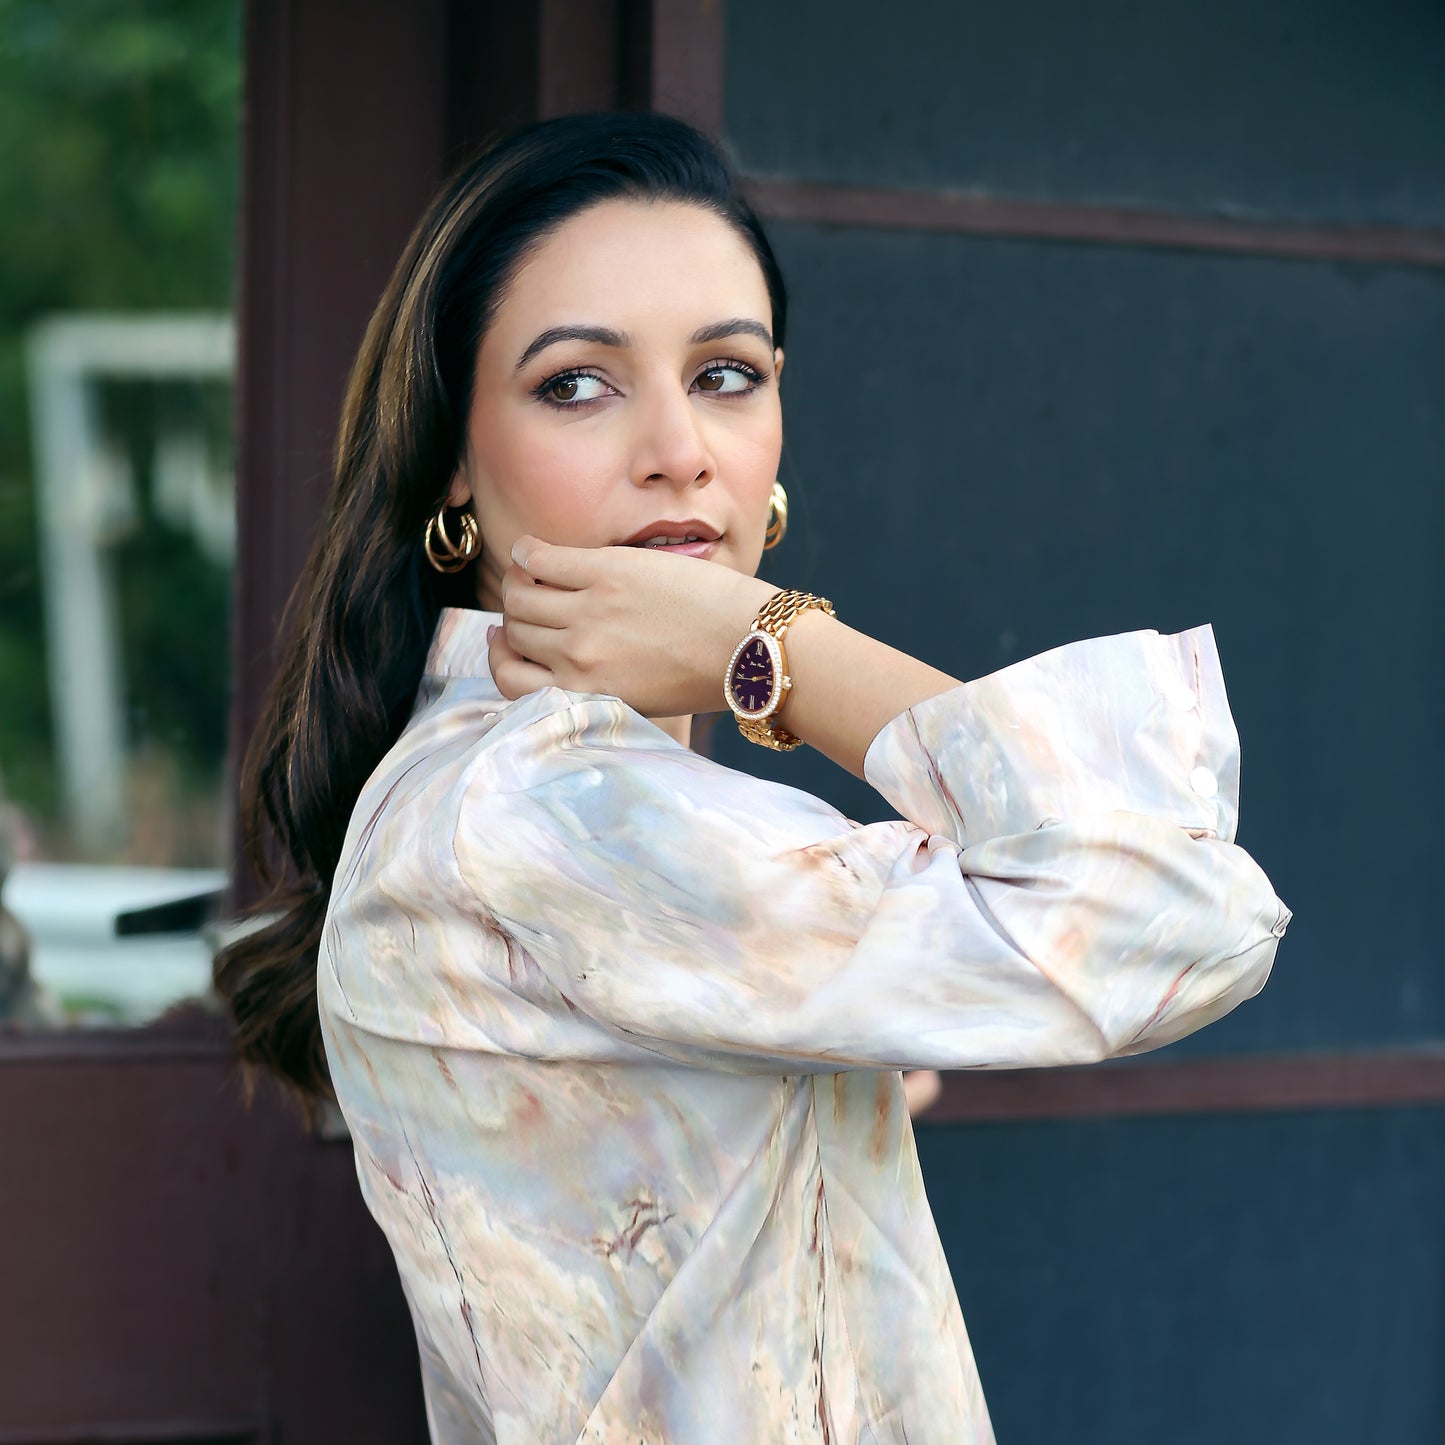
(672, 534)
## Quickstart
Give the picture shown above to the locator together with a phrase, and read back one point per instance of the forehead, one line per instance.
(630, 262)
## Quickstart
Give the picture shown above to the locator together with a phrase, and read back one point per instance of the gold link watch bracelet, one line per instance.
(757, 681)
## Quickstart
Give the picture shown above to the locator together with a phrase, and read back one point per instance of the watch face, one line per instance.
(754, 676)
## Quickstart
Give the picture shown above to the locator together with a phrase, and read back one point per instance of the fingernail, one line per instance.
(492, 631)
(516, 554)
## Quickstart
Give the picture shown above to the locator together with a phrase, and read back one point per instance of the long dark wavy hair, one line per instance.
(361, 618)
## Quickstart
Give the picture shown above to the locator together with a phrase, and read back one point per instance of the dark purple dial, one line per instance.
(752, 677)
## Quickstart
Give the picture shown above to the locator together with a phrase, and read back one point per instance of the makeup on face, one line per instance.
(690, 538)
(626, 391)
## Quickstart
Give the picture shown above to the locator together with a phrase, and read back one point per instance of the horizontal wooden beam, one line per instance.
(111, 1046)
(982, 215)
(1240, 1083)
(142, 1432)
(1249, 1083)
(190, 1032)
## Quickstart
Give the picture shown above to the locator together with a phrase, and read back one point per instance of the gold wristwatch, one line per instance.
(757, 681)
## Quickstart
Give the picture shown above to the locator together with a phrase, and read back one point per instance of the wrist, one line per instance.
(759, 678)
(804, 623)
(728, 625)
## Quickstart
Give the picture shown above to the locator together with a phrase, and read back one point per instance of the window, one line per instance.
(119, 122)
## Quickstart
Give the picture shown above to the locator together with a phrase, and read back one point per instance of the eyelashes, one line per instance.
(573, 376)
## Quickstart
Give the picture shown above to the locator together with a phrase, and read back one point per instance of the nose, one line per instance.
(672, 445)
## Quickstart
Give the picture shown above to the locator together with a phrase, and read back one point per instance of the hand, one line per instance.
(921, 1087)
(651, 628)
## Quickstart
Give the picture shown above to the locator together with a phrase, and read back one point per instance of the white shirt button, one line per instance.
(1181, 697)
(1204, 782)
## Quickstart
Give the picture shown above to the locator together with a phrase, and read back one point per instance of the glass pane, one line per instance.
(119, 125)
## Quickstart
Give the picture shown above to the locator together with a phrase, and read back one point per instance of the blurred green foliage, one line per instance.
(119, 128)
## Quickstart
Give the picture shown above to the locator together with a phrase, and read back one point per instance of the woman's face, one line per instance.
(627, 387)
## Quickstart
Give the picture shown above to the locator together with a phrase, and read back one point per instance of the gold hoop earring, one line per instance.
(777, 517)
(454, 555)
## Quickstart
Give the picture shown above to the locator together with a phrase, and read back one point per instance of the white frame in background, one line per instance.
(65, 359)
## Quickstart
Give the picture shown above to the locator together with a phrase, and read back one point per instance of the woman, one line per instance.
(616, 1030)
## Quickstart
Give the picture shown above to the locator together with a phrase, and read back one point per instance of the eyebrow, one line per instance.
(606, 336)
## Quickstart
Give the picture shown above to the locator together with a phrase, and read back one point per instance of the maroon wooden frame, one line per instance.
(302, 316)
(221, 1280)
(184, 1267)
(338, 162)
(1082, 224)
(1250, 1083)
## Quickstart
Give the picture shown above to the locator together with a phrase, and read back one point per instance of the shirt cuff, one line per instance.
(1136, 722)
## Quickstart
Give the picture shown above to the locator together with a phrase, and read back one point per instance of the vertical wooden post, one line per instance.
(353, 114)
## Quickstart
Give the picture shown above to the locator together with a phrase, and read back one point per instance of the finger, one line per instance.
(524, 598)
(557, 566)
(514, 674)
(505, 651)
(517, 679)
(545, 646)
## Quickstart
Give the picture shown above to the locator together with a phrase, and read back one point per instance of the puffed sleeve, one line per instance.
(1063, 885)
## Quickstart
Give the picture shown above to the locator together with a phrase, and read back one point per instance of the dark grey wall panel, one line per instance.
(1267, 1281)
(1296, 109)
(995, 447)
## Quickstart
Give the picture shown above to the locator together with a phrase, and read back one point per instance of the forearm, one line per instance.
(658, 631)
(1060, 886)
(846, 685)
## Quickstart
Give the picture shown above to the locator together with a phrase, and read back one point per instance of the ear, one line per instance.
(777, 361)
(460, 492)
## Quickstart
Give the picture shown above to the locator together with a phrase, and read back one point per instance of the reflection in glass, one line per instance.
(119, 123)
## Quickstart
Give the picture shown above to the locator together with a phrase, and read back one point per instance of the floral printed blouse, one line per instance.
(616, 1029)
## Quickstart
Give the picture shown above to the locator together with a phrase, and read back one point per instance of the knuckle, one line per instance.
(513, 580)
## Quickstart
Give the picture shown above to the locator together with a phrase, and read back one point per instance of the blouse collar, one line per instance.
(459, 651)
(459, 645)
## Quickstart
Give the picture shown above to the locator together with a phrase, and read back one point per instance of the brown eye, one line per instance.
(733, 378)
(569, 390)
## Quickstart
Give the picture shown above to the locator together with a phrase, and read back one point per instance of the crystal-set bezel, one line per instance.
(775, 654)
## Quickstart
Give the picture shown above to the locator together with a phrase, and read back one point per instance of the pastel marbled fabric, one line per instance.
(616, 1029)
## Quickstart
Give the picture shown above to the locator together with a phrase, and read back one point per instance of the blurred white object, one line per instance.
(125, 941)
(85, 493)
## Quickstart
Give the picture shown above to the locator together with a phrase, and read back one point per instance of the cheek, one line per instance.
(545, 480)
(759, 468)
(746, 446)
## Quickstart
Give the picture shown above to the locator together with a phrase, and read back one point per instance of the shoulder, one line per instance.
(552, 716)
(590, 773)
(458, 734)
(551, 733)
